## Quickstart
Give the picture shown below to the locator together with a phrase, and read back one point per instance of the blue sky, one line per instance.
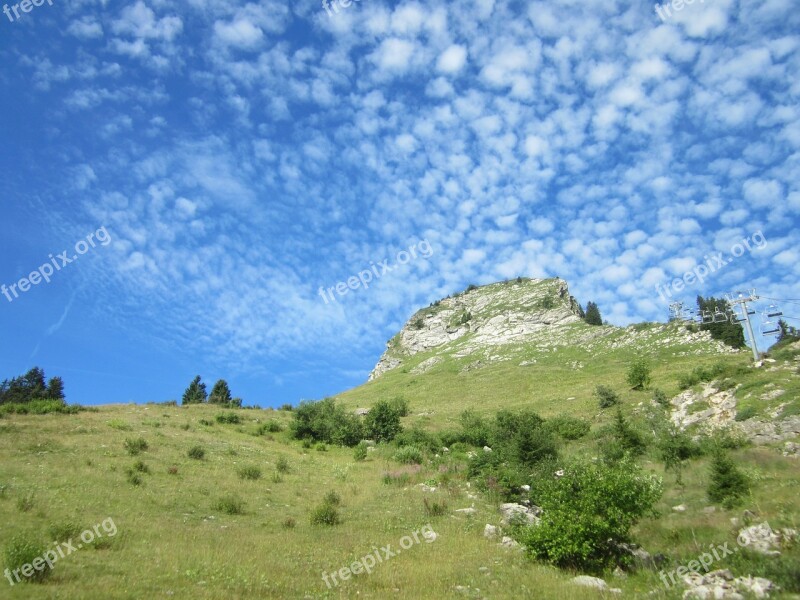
(242, 155)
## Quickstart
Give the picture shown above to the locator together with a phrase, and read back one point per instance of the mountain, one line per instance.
(510, 319)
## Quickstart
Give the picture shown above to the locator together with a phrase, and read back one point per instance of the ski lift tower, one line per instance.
(741, 299)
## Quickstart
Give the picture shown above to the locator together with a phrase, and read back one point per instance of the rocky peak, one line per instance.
(490, 315)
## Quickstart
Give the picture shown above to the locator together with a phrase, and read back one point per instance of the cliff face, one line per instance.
(491, 315)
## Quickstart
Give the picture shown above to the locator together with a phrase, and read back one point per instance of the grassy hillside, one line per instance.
(63, 474)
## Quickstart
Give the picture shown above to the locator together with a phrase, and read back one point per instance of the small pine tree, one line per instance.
(728, 484)
(593, 316)
(55, 388)
(220, 393)
(195, 393)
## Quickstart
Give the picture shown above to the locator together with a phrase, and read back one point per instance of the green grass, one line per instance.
(198, 529)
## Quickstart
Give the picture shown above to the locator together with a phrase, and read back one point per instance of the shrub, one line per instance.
(322, 447)
(173, 470)
(434, 509)
(675, 447)
(332, 498)
(325, 421)
(401, 405)
(587, 512)
(282, 465)
(728, 484)
(197, 452)
(746, 413)
(286, 407)
(141, 467)
(272, 426)
(22, 551)
(230, 505)
(699, 374)
(134, 478)
(409, 455)
(416, 436)
(383, 422)
(250, 473)
(399, 479)
(638, 376)
(276, 477)
(606, 396)
(626, 438)
(567, 427)
(135, 446)
(476, 430)
(325, 514)
(660, 398)
(230, 418)
(360, 452)
(289, 523)
(64, 532)
(206, 422)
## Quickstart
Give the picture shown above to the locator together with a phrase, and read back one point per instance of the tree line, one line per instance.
(30, 387)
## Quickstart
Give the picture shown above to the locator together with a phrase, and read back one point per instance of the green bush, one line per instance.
(250, 473)
(141, 467)
(134, 478)
(196, 452)
(660, 398)
(409, 455)
(272, 426)
(624, 439)
(567, 427)
(475, 429)
(325, 421)
(416, 436)
(360, 452)
(382, 423)
(728, 484)
(746, 413)
(40, 407)
(21, 551)
(135, 446)
(638, 376)
(64, 532)
(230, 505)
(332, 498)
(282, 465)
(587, 512)
(401, 405)
(325, 514)
(434, 508)
(606, 396)
(701, 374)
(675, 446)
(230, 418)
